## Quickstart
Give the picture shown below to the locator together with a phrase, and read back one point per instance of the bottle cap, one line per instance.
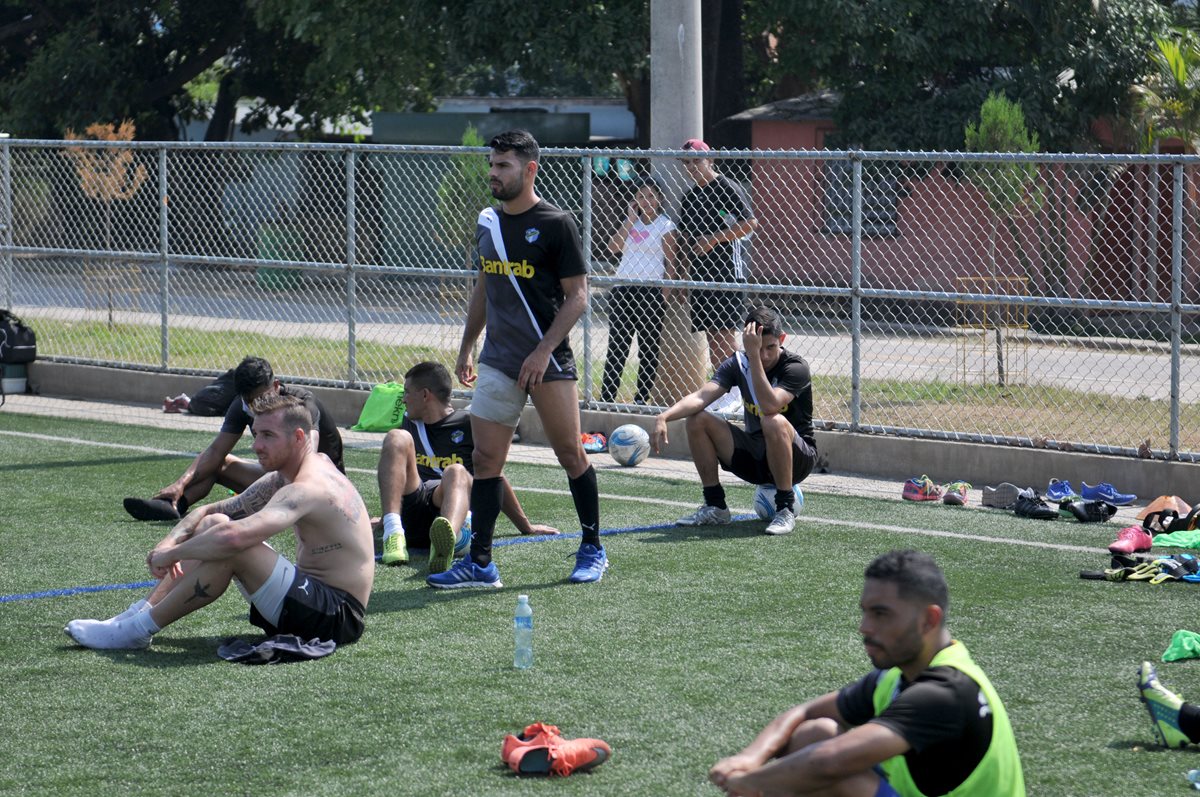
(522, 597)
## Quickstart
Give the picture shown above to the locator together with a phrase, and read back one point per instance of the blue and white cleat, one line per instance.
(590, 564)
(464, 573)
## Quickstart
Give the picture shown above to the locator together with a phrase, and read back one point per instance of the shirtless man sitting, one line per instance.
(324, 595)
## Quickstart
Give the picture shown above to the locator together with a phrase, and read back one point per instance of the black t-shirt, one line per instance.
(944, 717)
(237, 420)
(543, 248)
(705, 210)
(790, 373)
(450, 439)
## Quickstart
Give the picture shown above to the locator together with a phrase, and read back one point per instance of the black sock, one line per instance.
(486, 495)
(715, 496)
(586, 495)
(785, 499)
(1189, 722)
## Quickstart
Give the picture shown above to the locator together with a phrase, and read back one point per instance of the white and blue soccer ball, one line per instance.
(764, 500)
(629, 445)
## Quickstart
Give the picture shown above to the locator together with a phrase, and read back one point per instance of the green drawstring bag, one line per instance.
(384, 409)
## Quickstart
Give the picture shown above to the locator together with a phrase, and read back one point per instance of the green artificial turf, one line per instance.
(691, 643)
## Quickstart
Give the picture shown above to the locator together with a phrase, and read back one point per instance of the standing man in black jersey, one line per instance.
(777, 446)
(531, 290)
(926, 721)
(714, 221)
(425, 475)
(252, 379)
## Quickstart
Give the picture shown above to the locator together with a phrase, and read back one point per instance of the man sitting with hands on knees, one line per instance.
(323, 595)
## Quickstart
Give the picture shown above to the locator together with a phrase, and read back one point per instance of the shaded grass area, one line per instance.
(693, 640)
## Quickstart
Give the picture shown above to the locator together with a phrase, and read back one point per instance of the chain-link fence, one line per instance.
(1031, 300)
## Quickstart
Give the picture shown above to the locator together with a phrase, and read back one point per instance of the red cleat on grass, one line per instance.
(541, 750)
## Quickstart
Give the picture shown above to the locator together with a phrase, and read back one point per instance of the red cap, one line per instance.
(696, 144)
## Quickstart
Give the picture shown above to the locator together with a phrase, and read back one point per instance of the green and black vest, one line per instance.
(999, 771)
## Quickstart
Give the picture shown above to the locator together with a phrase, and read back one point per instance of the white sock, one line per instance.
(133, 609)
(144, 622)
(392, 525)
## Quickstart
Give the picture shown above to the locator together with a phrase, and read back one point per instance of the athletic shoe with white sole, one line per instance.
(783, 523)
(464, 573)
(590, 564)
(1060, 490)
(1107, 493)
(705, 515)
(1163, 706)
(1002, 496)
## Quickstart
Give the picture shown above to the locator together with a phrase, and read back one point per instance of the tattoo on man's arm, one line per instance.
(199, 591)
(253, 498)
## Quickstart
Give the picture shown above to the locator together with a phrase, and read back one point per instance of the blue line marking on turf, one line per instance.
(58, 593)
(67, 591)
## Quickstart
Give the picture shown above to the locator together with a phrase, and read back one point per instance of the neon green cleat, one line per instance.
(1163, 706)
(395, 552)
(441, 545)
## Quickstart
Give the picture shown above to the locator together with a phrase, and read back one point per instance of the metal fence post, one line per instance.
(351, 274)
(586, 234)
(7, 221)
(164, 288)
(1176, 302)
(856, 294)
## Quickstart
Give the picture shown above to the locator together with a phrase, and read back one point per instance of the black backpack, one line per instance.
(18, 344)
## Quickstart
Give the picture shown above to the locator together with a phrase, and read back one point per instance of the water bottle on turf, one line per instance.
(1194, 778)
(523, 634)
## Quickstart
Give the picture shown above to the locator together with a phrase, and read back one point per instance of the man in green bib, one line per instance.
(925, 722)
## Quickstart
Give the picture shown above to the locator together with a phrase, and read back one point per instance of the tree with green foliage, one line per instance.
(1169, 97)
(911, 73)
(301, 61)
(1009, 187)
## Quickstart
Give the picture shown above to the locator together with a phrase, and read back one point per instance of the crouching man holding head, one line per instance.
(323, 595)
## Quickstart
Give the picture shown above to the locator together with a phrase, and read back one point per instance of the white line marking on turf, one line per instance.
(635, 498)
(97, 443)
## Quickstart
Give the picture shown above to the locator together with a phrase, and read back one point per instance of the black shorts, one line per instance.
(749, 461)
(417, 512)
(312, 608)
(713, 310)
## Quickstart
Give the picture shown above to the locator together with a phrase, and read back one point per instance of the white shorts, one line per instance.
(268, 598)
(497, 397)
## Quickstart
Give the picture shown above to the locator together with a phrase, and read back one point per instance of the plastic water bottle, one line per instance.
(1194, 778)
(523, 634)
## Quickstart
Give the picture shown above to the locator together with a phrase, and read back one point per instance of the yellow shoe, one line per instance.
(441, 545)
(395, 552)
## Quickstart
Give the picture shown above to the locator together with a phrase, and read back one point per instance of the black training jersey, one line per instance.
(524, 291)
(329, 442)
(708, 209)
(442, 444)
(943, 715)
(790, 373)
